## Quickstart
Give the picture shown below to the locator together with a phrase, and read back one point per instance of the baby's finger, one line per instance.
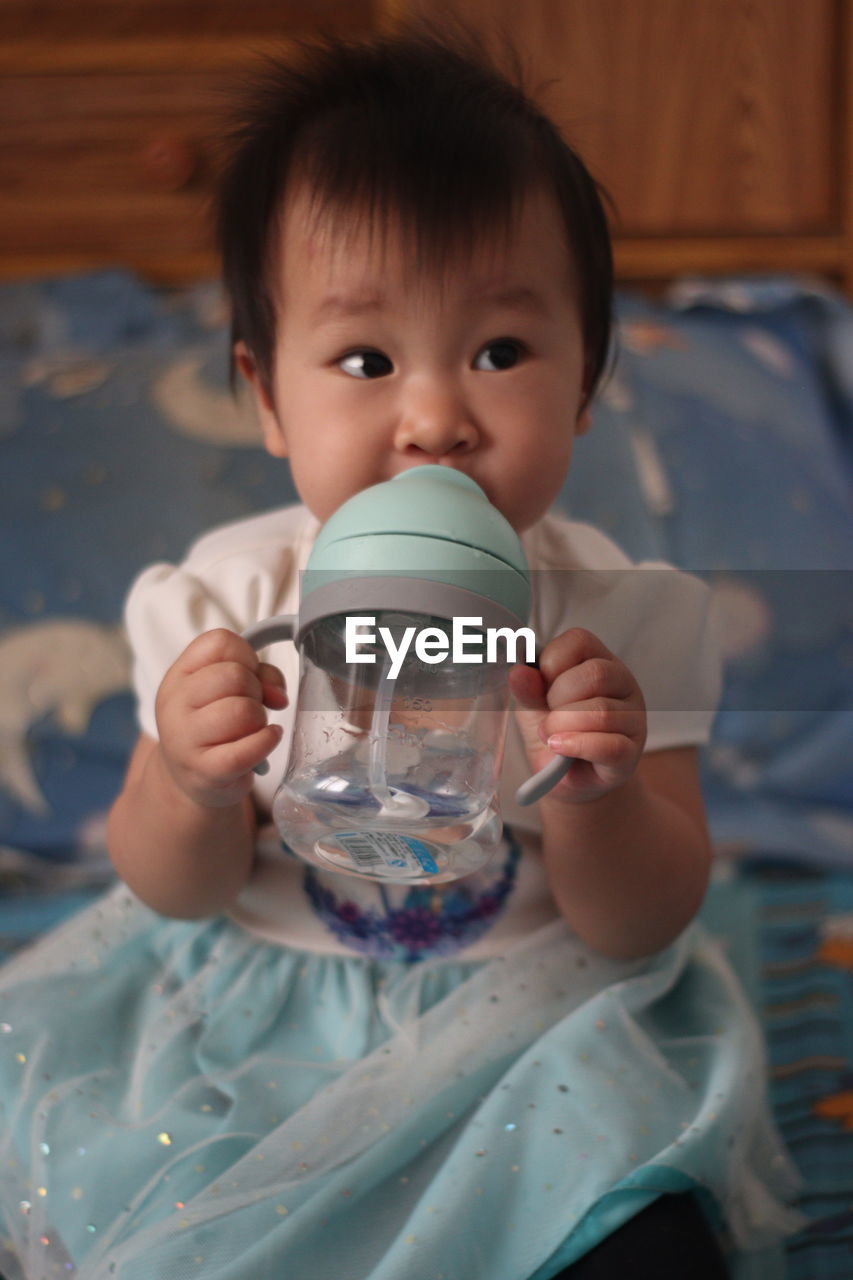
(596, 677)
(528, 687)
(217, 645)
(274, 690)
(568, 650)
(221, 680)
(227, 720)
(596, 715)
(607, 751)
(228, 761)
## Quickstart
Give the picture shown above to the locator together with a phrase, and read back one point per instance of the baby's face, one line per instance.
(378, 370)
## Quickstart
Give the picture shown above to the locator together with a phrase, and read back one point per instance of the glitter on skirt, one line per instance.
(179, 1099)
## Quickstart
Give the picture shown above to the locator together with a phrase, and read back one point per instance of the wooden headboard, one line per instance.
(723, 129)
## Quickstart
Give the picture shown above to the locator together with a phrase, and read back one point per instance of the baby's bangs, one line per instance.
(446, 197)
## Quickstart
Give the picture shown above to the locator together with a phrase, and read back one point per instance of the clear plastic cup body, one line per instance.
(393, 773)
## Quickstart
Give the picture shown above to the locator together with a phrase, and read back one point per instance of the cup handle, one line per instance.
(539, 784)
(259, 635)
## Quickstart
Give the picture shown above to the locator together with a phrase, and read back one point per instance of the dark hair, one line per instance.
(421, 124)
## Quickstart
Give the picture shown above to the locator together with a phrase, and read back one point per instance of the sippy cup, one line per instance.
(409, 602)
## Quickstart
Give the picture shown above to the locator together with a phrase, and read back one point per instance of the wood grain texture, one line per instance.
(723, 129)
(83, 20)
(109, 117)
(699, 116)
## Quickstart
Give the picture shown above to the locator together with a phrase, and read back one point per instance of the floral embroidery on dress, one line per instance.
(393, 922)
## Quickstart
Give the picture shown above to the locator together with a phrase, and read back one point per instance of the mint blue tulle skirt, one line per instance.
(179, 1099)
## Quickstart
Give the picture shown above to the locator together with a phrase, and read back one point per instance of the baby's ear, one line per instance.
(274, 441)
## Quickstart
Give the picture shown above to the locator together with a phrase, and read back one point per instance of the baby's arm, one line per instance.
(625, 840)
(181, 832)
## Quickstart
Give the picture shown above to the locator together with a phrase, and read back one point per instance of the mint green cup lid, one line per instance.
(429, 522)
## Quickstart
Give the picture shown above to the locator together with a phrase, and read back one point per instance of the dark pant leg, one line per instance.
(668, 1240)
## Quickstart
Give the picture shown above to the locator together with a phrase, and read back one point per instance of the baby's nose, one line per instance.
(435, 420)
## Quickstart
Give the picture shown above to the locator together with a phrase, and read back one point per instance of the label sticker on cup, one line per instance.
(371, 850)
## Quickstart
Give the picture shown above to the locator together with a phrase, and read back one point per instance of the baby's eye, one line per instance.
(503, 353)
(366, 364)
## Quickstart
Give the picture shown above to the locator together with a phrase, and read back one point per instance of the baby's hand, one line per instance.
(211, 719)
(592, 703)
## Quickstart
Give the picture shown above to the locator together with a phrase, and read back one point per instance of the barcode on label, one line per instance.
(372, 849)
(361, 850)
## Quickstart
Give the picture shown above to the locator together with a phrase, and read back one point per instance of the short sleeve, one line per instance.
(166, 608)
(674, 652)
(231, 577)
(657, 619)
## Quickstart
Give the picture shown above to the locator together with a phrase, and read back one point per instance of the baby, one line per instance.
(254, 1068)
(421, 307)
